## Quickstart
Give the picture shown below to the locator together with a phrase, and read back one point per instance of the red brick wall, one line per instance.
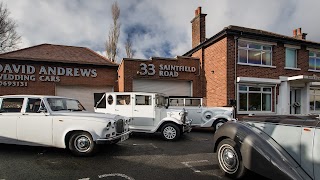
(106, 76)
(130, 69)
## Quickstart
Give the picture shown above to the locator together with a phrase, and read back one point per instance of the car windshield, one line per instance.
(62, 104)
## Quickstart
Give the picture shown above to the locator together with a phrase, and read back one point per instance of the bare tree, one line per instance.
(128, 47)
(114, 32)
(9, 38)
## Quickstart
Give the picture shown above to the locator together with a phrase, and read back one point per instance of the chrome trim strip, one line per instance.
(113, 138)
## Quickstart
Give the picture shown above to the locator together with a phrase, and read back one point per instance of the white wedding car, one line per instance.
(147, 111)
(202, 116)
(58, 122)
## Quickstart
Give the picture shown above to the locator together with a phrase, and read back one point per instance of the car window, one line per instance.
(193, 102)
(11, 105)
(143, 100)
(62, 104)
(33, 105)
(123, 99)
(176, 102)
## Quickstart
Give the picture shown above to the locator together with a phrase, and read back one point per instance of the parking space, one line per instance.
(141, 157)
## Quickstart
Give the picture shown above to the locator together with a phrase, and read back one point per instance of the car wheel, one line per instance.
(230, 160)
(82, 144)
(216, 125)
(170, 132)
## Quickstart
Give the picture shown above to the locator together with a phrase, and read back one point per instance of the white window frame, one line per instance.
(247, 48)
(315, 56)
(260, 92)
(313, 111)
(296, 58)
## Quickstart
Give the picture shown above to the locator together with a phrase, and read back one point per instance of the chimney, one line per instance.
(198, 27)
(297, 33)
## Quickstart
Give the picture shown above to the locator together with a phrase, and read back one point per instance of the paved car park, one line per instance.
(143, 156)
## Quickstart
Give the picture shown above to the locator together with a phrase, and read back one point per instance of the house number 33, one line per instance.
(147, 69)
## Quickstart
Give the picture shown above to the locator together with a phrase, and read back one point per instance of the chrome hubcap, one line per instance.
(169, 132)
(228, 159)
(218, 125)
(82, 143)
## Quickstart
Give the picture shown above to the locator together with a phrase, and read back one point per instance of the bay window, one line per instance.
(255, 98)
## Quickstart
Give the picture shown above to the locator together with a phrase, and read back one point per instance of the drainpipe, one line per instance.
(235, 75)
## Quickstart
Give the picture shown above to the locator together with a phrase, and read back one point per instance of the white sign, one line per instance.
(19, 75)
(165, 70)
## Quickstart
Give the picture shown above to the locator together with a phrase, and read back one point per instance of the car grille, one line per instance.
(120, 126)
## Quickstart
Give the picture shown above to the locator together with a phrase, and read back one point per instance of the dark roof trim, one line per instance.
(231, 30)
(62, 61)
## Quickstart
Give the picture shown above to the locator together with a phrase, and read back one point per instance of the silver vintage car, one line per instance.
(277, 147)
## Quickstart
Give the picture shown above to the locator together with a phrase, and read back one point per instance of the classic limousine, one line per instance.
(277, 147)
(147, 111)
(58, 122)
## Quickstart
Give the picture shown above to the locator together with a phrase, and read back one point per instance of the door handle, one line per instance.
(135, 110)
(25, 114)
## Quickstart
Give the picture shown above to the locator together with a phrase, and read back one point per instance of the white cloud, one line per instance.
(163, 27)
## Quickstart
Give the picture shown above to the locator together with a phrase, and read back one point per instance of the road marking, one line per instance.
(116, 174)
(80, 179)
(150, 144)
(187, 164)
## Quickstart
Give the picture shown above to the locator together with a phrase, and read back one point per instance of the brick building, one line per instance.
(264, 71)
(57, 70)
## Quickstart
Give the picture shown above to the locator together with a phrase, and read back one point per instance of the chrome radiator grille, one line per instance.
(120, 126)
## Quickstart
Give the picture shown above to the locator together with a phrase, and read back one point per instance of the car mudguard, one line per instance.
(259, 152)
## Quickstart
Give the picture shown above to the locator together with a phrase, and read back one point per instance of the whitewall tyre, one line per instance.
(216, 125)
(82, 144)
(230, 159)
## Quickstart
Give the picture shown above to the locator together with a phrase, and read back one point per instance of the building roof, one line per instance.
(254, 34)
(58, 53)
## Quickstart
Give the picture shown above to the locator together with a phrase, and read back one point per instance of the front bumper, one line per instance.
(121, 137)
(187, 126)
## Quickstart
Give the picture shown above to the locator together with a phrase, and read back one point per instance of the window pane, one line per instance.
(317, 103)
(311, 53)
(266, 102)
(316, 91)
(318, 54)
(33, 105)
(192, 102)
(176, 102)
(311, 102)
(254, 57)
(123, 99)
(317, 64)
(243, 102)
(255, 46)
(242, 56)
(143, 100)
(254, 102)
(11, 105)
(312, 63)
(242, 44)
(267, 48)
(266, 58)
(267, 89)
(291, 58)
(254, 88)
(243, 88)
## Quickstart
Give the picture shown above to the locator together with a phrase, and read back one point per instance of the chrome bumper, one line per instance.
(122, 137)
(187, 126)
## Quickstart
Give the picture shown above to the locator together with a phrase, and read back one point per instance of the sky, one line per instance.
(157, 28)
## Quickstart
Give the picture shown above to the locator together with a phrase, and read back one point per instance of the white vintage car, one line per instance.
(58, 122)
(148, 112)
(202, 116)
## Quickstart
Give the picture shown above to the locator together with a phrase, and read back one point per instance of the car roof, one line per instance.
(33, 96)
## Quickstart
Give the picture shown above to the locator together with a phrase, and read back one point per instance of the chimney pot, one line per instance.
(299, 31)
(294, 32)
(199, 10)
(196, 12)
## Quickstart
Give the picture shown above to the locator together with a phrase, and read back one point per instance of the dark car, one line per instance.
(274, 146)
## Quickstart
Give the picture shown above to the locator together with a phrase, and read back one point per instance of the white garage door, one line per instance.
(169, 88)
(83, 93)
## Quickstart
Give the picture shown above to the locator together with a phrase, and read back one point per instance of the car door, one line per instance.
(143, 110)
(34, 126)
(316, 152)
(123, 105)
(9, 113)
